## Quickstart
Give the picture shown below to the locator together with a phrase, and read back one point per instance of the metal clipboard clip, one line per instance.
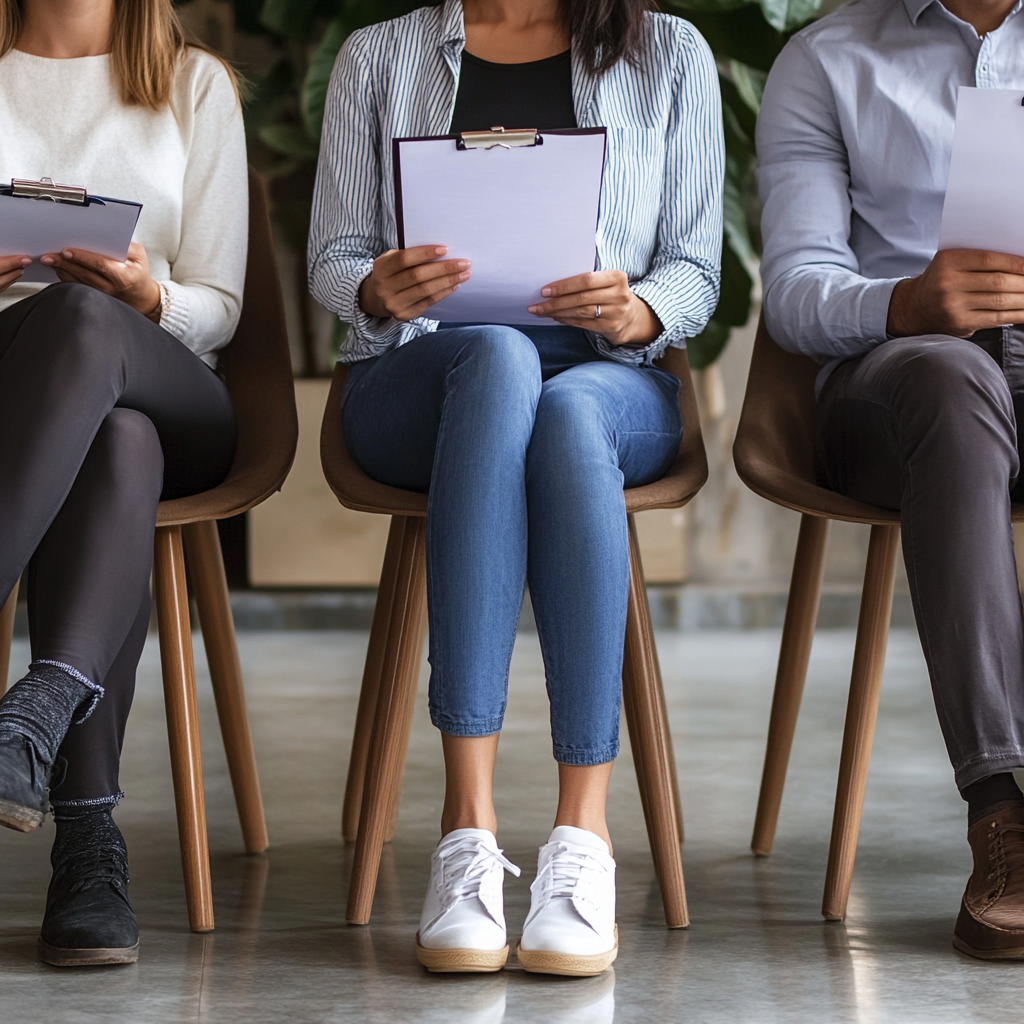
(47, 188)
(500, 138)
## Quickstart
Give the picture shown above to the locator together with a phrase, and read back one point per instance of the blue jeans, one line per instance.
(524, 440)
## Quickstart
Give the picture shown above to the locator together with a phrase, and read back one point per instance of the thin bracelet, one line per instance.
(164, 305)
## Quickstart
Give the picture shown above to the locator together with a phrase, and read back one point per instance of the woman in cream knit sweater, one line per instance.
(109, 401)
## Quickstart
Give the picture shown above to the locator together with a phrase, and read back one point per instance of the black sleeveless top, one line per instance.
(537, 94)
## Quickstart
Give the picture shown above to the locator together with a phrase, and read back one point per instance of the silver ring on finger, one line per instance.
(597, 312)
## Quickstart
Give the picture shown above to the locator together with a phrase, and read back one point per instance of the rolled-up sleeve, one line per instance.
(345, 230)
(682, 284)
(816, 302)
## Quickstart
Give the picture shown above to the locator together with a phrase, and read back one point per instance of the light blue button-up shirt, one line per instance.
(661, 207)
(853, 143)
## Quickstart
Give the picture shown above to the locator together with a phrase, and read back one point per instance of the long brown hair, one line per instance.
(146, 44)
(606, 31)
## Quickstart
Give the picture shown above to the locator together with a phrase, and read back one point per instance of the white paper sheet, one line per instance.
(34, 227)
(984, 206)
(525, 217)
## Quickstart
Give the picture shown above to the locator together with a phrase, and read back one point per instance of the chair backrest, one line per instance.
(355, 490)
(256, 366)
(774, 449)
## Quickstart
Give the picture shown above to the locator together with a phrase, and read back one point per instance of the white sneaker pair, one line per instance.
(571, 925)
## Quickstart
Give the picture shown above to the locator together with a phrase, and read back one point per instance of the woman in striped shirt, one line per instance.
(526, 436)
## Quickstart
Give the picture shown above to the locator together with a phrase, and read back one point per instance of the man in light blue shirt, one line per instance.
(922, 382)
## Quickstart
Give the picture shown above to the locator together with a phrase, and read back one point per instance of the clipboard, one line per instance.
(522, 205)
(39, 217)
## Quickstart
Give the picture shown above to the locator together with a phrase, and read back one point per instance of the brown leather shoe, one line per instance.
(991, 921)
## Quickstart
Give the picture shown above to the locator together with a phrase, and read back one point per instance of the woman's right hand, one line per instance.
(11, 268)
(406, 282)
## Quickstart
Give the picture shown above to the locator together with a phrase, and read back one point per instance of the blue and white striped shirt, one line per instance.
(661, 209)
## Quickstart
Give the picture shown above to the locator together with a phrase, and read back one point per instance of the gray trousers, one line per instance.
(928, 426)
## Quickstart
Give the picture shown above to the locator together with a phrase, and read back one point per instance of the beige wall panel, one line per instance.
(302, 537)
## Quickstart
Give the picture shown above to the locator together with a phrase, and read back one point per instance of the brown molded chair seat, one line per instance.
(386, 700)
(256, 366)
(774, 455)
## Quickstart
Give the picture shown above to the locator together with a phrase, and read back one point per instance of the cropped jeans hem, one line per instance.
(576, 758)
(456, 727)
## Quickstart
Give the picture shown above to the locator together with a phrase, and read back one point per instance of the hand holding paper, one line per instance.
(405, 283)
(128, 280)
(976, 280)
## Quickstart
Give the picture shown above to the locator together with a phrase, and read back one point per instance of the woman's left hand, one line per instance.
(602, 302)
(128, 281)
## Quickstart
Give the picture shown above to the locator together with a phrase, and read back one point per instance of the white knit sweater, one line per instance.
(186, 164)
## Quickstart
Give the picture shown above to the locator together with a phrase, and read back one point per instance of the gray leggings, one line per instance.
(928, 425)
(102, 413)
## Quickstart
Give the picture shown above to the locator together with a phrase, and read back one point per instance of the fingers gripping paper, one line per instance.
(984, 205)
(34, 227)
(525, 217)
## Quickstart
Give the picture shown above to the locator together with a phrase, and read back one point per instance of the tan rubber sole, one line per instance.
(57, 957)
(541, 961)
(1015, 953)
(19, 817)
(461, 961)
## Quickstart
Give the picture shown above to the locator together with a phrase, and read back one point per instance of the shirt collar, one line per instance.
(453, 29)
(915, 8)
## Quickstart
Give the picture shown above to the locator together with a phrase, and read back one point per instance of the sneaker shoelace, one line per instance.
(464, 866)
(561, 874)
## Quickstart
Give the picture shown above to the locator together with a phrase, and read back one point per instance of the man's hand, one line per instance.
(960, 292)
(625, 319)
(128, 281)
(407, 282)
(11, 268)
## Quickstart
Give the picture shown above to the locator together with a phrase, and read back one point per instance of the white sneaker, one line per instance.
(571, 925)
(462, 927)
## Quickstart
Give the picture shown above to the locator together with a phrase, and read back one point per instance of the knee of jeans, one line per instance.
(128, 448)
(571, 425)
(504, 359)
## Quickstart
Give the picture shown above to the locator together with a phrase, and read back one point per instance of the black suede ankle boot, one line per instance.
(35, 714)
(89, 920)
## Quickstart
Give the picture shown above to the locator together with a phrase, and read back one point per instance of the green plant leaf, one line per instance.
(741, 34)
(292, 19)
(786, 15)
(683, 7)
(289, 139)
(269, 96)
(314, 88)
(734, 300)
(749, 83)
(706, 347)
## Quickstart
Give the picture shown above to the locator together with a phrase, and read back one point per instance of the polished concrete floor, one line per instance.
(757, 950)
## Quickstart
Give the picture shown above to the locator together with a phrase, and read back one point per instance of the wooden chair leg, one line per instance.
(395, 699)
(794, 655)
(379, 633)
(183, 723)
(10, 606)
(648, 733)
(206, 567)
(861, 712)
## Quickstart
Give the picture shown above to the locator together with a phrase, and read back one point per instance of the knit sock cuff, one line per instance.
(42, 707)
(95, 688)
(68, 810)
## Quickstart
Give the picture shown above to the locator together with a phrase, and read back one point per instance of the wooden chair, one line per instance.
(384, 714)
(774, 455)
(257, 368)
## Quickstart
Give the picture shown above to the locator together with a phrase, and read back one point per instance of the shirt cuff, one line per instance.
(874, 308)
(175, 318)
